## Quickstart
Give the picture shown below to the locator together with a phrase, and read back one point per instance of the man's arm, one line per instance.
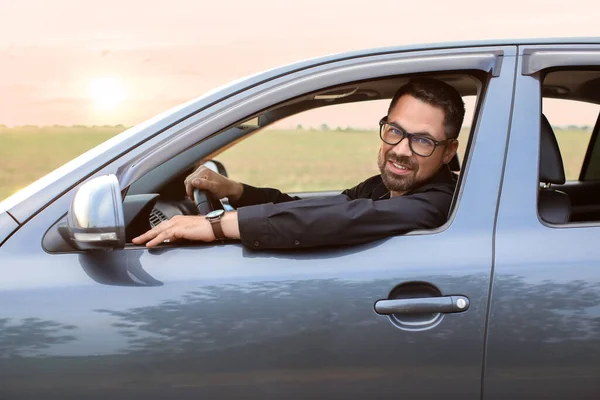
(312, 223)
(252, 196)
(338, 220)
(239, 194)
(335, 220)
(189, 227)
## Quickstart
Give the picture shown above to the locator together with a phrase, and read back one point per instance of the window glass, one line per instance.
(572, 122)
(330, 148)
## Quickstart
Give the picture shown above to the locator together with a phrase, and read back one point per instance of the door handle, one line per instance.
(433, 305)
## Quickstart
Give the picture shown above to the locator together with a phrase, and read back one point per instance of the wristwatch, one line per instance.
(214, 217)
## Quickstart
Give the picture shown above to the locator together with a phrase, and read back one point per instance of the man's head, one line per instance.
(432, 112)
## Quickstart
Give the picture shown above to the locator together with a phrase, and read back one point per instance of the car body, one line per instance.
(220, 320)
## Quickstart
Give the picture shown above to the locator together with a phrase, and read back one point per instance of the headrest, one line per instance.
(551, 164)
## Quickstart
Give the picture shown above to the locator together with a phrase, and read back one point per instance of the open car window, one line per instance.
(330, 148)
(317, 144)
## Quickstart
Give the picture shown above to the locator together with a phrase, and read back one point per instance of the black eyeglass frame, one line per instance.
(409, 136)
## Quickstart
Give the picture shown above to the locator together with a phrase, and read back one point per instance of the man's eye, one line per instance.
(423, 141)
(396, 131)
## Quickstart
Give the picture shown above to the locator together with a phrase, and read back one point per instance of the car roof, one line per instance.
(451, 45)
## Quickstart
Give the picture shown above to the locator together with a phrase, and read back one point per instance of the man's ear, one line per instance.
(450, 151)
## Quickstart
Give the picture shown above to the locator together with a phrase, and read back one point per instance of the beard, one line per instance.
(398, 183)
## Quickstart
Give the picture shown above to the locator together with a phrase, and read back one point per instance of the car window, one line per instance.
(308, 150)
(572, 122)
(570, 106)
(326, 149)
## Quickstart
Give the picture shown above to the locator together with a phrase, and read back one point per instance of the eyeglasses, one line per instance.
(421, 145)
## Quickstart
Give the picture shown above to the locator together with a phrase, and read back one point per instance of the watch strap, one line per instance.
(217, 229)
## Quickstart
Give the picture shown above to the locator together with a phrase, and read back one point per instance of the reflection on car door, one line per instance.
(220, 321)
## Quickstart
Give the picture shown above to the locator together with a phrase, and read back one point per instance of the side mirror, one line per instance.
(95, 219)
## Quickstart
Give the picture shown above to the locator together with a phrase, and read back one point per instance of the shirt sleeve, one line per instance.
(353, 193)
(252, 196)
(338, 220)
(363, 189)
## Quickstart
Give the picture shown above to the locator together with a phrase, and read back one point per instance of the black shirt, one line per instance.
(268, 218)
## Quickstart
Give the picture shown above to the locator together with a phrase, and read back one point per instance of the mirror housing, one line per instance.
(95, 219)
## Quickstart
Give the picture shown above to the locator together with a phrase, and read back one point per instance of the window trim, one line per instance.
(537, 58)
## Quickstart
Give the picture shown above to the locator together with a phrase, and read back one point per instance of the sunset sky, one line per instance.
(123, 61)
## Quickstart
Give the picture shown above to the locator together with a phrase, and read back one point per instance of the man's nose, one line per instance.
(403, 148)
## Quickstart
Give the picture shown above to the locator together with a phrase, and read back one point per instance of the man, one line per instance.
(413, 191)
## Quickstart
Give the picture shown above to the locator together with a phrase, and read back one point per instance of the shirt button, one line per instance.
(256, 243)
(296, 242)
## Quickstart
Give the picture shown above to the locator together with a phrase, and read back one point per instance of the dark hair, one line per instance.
(438, 94)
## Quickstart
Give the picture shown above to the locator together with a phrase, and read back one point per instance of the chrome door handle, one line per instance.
(444, 304)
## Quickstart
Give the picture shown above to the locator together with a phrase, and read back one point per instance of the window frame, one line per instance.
(537, 62)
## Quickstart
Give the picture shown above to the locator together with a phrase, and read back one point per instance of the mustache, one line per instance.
(408, 161)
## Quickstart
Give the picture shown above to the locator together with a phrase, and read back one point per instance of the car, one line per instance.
(502, 301)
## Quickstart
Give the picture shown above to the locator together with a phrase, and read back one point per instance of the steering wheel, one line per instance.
(206, 202)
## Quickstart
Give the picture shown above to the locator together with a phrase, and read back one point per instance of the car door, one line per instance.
(543, 335)
(221, 320)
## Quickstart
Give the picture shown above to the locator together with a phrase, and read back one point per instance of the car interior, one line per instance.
(561, 201)
(166, 181)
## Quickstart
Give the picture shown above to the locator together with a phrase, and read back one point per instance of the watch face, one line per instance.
(215, 214)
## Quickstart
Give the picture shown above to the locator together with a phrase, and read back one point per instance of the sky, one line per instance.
(123, 61)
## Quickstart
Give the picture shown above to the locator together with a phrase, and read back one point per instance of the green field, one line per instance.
(293, 160)
(28, 153)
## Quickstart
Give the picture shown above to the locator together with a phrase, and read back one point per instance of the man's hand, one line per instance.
(190, 227)
(218, 185)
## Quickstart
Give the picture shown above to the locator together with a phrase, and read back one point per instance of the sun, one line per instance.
(107, 92)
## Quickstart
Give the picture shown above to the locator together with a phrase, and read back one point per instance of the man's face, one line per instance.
(401, 169)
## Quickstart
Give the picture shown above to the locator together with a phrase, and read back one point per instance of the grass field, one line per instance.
(294, 160)
(28, 153)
